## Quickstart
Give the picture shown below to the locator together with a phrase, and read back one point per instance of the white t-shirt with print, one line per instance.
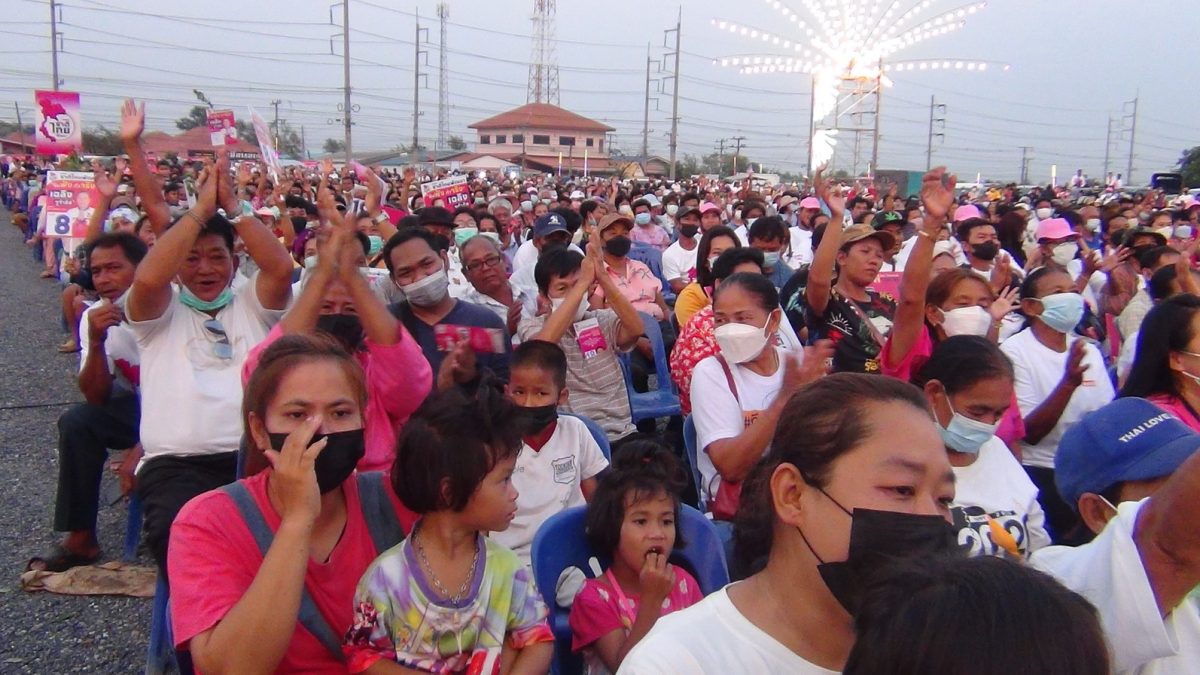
(679, 263)
(547, 481)
(120, 350)
(192, 398)
(1038, 371)
(801, 249)
(713, 637)
(720, 415)
(1109, 573)
(996, 488)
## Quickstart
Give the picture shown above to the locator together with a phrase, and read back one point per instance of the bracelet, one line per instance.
(923, 233)
(193, 216)
(381, 219)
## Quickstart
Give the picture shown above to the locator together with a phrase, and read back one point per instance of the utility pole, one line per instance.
(646, 110)
(417, 75)
(275, 122)
(675, 95)
(1132, 136)
(303, 143)
(443, 12)
(1025, 163)
(934, 109)
(737, 150)
(878, 107)
(1107, 146)
(54, 35)
(720, 154)
(20, 126)
(346, 77)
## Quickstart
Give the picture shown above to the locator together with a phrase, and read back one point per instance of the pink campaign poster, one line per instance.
(58, 130)
(71, 195)
(222, 127)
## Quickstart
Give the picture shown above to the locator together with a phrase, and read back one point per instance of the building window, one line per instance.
(485, 139)
(539, 139)
(591, 142)
(566, 140)
(518, 138)
(500, 140)
(601, 145)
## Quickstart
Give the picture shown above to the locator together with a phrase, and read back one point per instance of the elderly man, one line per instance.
(501, 209)
(483, 265)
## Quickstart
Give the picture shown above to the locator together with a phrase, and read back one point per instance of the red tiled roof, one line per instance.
(541, 116)
(159, 143)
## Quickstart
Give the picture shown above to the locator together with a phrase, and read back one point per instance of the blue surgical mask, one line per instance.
(462, 234)
(375, 244)
(642, 218)
(770, 259)
(964, 434)
(191, 300)
(1062, 311)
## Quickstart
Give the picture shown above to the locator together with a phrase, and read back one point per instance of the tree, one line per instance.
(456, 143)
(198, 117)
(1189, 166)
(289, 142)
(333, 146)
(102, 141)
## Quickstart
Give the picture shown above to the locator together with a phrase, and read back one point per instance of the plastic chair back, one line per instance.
(133, 528)
(561, 542)
(661, 402)
(692, 452)
(160, 653)
(597, 433)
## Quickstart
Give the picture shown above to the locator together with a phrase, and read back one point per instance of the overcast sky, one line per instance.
(1074, 63)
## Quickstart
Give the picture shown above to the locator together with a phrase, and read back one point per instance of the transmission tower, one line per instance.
(543, 65)
(443, 13)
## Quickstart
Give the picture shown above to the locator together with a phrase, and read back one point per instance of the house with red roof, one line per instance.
(539, 137)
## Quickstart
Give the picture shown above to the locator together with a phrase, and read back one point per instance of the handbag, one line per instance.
(729, 493)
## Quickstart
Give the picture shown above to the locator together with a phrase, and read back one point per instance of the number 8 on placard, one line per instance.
(62, 224)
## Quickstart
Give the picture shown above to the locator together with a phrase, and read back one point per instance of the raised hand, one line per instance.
(833, 198)
(798, 372)
(206, 197)
(122, 165)
(1075, 368)
(374, 191)
(294, 482)
(105, 185)
(133, 121)
(226, 195)
(1005, 302)
(1001, 275)
(937, 193)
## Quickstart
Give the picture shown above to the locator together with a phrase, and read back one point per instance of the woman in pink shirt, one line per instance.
(338, 300)
(1166, 369)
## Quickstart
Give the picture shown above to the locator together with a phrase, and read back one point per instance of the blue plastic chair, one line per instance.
(160, 653)
(133, 528)
(597, 433)
(661, 402)
(652, 257)
(561, 543)
(692, 453)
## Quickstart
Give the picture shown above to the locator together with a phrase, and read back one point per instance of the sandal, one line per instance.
(68, 347)
(48, 274)
(59, 559)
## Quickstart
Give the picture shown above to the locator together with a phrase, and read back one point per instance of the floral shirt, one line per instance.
(697, 341)
(639, 286)
(855, 348)
(397, 617)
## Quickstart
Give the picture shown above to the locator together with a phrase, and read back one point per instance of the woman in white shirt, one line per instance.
(738, 393)
(834, 460)
(1059, 378)
(969, 384)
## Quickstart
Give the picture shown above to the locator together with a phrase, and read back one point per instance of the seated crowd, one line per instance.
(353, 416)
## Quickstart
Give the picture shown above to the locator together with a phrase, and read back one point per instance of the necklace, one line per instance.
(437, 583)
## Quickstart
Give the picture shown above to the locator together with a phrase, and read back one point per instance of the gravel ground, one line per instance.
(42, 632)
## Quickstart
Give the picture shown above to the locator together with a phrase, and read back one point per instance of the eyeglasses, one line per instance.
(488, 262)
(222, 348)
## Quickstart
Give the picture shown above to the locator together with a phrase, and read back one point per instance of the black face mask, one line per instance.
(985, 251)
(689, 231)
(618, 246)
(345, 328)
(337, 461)
(878, 539)
(539, 417)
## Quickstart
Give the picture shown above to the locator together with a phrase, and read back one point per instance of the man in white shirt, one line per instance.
(679, 260)
(549, 229)
(483, 266)
(194, 332)
(1132, 471)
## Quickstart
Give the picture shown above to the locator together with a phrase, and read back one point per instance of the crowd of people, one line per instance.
(918, 424)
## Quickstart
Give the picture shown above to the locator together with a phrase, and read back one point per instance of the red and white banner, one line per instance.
(59, 131)
(69, 204)
(453, 192)
(222, 128)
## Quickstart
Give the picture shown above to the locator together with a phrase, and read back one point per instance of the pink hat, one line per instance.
(810, 203)
(1054, 228)
(966, 212)
(708, 206)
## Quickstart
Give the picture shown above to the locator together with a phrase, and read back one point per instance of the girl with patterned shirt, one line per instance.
(448, 599)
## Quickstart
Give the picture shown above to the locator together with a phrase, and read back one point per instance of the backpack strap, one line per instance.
(378, 511)
(309, 617)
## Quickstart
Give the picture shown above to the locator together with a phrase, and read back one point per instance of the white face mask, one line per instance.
(1064, 253)
(555, 303)
(973, 320)
(672, 209)
(740, 342)
(1044, 213)
(625, 210)
(1093, 224)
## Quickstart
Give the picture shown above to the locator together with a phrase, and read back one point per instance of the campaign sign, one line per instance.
(265, 145)
(453, 192)
(69, 206)
(887, 283)
(58, 131)
(222, 128)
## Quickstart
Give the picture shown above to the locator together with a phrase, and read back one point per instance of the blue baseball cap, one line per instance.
(1128, 439)
(549, 224)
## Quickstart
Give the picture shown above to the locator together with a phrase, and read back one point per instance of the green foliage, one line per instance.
(456, 143)
(1189, 166)
(333, 146)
